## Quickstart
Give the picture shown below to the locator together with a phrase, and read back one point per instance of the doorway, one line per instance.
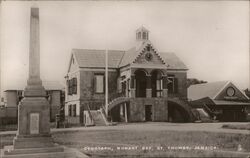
(141, 83)
(148, 112)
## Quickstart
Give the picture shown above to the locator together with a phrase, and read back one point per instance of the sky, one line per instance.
(211, 38)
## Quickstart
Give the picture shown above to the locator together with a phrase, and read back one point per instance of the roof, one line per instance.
(48, 85)
(210, 90)
(223, 102)
(96, 58)
(117, 58)
(173, 61)
(142, 28)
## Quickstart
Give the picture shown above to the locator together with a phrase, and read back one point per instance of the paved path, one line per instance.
(155, 126)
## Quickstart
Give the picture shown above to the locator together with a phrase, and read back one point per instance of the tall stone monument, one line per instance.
(33, 139)
(33, 110)
(33, 135)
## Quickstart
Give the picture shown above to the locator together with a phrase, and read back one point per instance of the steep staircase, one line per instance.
(98, 118)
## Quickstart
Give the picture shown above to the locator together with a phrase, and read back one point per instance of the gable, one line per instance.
(210, 90)
(231, 92)
(72, 64)
(148, 55)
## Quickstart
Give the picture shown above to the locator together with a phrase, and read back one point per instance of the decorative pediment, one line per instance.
(230, 92)
(147, 54)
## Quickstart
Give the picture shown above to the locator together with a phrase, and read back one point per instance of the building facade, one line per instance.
(55, 96)
(221, 100)
(143, 84)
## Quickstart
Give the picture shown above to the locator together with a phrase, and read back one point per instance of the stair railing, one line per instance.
(88, 109)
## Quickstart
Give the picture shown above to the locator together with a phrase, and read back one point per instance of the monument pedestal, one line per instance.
(33, 139)
(33, 134)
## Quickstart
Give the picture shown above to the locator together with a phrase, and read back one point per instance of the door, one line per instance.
(148, 112)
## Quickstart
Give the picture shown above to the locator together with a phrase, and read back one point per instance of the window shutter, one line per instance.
(74, 86)
(95, 84)
(68, 86)
(176, 85)
(69, 110)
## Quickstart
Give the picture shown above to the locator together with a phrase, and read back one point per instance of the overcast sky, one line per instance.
(212, 38)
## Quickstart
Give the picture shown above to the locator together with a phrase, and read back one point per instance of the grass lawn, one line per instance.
(154, 143)
(237, 126)
(150, 143)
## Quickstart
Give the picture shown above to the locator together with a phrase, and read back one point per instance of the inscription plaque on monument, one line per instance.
(34, 123)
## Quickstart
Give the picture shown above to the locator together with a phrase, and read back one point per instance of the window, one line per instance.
(144, 36)
(99, 83)
(74, 110)
(70, 110)
(72, 86)
(139, 35)
(172, 84)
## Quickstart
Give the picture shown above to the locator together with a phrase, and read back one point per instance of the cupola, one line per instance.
(142, 34)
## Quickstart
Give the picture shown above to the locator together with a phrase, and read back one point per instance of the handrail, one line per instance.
(114, 96)
(88, 108)
(209, 110)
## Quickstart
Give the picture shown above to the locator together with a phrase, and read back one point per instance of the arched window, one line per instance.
(139, 35)
(144, 35)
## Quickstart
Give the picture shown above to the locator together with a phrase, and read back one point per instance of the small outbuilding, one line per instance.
(221, 100)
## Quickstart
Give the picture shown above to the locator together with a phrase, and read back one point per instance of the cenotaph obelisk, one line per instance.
(33, 135)
(33, 138)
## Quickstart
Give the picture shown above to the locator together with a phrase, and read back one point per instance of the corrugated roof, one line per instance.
(96, 58)
(210, 90)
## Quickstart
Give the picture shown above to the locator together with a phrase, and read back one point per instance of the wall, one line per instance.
(12, 102)
(87, 87)
(55, 104)
(11, 98)
(137, 109)
(8, 115)
(182, 84)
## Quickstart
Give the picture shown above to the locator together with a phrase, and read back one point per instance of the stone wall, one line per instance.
(137, 109)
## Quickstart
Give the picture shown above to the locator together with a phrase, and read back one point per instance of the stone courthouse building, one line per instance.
(143, 84)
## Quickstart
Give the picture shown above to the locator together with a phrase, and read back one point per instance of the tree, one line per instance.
(193, 81)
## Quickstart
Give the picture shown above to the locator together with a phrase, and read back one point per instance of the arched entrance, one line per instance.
(141, 83)
(120, 112)
(177, 113)
(156, 83)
